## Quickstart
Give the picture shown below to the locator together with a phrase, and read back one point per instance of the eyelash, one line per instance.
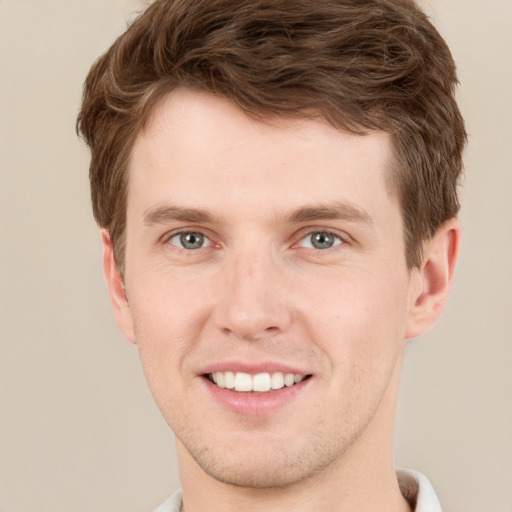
(339, 239)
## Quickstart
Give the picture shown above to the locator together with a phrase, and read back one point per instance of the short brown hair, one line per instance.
(359, 64)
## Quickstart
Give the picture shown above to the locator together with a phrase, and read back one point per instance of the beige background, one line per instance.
(78, 429)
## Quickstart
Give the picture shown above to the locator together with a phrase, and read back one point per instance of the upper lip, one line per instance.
(252, 368)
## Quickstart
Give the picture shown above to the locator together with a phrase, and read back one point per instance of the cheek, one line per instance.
(362, 317)
(166, 331)
(169, 313)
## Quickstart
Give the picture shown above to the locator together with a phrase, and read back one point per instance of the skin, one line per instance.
(258, 293)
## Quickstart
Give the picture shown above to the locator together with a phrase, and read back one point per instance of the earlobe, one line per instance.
(439, 258)
(116, 289)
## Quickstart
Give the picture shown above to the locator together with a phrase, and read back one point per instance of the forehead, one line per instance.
(204, 149)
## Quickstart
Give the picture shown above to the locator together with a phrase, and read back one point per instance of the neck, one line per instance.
(364, 479)
(370, 492)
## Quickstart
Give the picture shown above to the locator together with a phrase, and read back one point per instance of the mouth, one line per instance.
(264, 382)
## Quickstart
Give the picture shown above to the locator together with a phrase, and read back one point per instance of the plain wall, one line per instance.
(78, 428)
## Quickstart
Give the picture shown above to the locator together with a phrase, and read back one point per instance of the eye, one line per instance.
(190, 240)
(320, 240)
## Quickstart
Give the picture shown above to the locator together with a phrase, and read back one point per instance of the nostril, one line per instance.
(249, 333)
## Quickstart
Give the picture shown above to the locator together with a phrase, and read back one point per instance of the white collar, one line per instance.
(418, 491)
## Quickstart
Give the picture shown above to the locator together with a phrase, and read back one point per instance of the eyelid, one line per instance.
(308, 243)
(166, 238)
(310, 230)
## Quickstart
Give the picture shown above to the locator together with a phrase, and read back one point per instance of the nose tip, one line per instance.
(252, 304)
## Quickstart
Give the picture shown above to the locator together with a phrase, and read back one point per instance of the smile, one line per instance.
(258, 383)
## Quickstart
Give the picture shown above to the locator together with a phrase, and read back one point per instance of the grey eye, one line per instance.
(189, 240)
(320, 240)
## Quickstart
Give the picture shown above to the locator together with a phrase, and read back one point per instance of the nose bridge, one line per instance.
(252, 302)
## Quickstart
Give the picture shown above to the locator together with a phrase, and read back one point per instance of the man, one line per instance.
(276, 184)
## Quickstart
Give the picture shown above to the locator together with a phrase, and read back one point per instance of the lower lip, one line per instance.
(255, 404)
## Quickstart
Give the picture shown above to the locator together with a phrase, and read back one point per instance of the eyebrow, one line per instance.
(334, 211)
(167, 213)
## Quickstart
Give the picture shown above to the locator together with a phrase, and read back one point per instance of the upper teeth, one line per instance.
(260, 382)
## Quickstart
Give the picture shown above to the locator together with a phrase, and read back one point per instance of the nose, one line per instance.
(252, 302)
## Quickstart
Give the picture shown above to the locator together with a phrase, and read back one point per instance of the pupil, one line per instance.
(191, 240)
(322, 240)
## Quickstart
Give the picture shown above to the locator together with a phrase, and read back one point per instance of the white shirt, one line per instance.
(414, 486)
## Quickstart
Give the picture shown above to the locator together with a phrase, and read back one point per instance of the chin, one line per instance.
(264, 465)
(255, 475)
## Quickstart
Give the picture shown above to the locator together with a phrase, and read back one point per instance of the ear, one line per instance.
(116, 289)
(435, 277)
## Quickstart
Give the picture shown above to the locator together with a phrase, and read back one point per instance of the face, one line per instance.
(267, 288)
